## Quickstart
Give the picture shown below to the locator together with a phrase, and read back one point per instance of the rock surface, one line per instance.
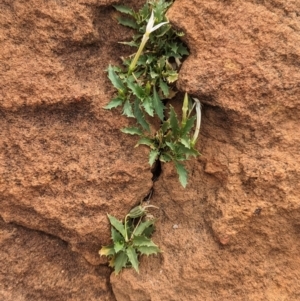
(64, 163)
(36, 266)
(233, 234)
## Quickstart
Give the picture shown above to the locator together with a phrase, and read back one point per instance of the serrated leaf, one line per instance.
(181, 149)
(182, 50)
(123, 9)
(149, 231)
(120, 261)
(140, 116)
(136, 89)
(115, 79)
(153, 74)
(143, 226)
(153, 156)
(174, 122)
(147, 104)
(127, 109)
(143, 241)
(172, 76)
(132, 255)
(107, 251)
(158, 105)
(174, 47)
(171, 146)
(161, 62)
(188, 126)
(165, 158)
(128, 22)
(111, 263)
(118, 246)
(164, 87)
(182, 174)
(114, 103)
(165, 126)
(186, 142)
(132, 131)
(148, 250)
(145, 141)
(117, 224)
(116, 235)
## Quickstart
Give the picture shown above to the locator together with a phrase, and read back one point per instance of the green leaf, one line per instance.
(132, 131)
(148, 250)
(117, 224)
(115, 79)
(174, 122)
(165, 158)
(149, 231)
(158, 105)
(181, 149)
(182, 173)
(140, 116)
(171, 146)
(128, 22)
(153, 74)
(147, 104)
(165, 126)
(153, 156)
(132, 255)
(120, 261)
(186, 142)
(188, 126)
(119, 245)
(114, 103)
(136, 89)
(107, 250)
(172, 76)
(164, 87)
(116, 235)
(146, 141)
(143, 226)
(143, 241)
(123, 9)
(127, 109)
(182, 50)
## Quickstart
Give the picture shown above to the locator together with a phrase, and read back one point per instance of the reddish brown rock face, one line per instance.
(238, 219)
(232, 234)
(64, 163)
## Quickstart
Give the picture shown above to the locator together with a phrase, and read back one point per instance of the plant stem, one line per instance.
(136, 226)
(125, 226)
(138, 54)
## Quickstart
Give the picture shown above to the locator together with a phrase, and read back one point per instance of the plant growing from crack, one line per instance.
(131, 238)
(147, 81)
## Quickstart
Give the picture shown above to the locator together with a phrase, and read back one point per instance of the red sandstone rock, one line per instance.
(64, 162)
(239, 214)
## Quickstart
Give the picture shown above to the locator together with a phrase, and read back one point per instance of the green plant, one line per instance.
(131, 238)
(147, 80)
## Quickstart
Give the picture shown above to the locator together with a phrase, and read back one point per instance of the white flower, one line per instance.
(149, 29)
(150, 24)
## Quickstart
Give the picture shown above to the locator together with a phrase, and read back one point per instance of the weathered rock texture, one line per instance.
(232, 234)
(63, 161)
(36, 266)
(238, 219)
